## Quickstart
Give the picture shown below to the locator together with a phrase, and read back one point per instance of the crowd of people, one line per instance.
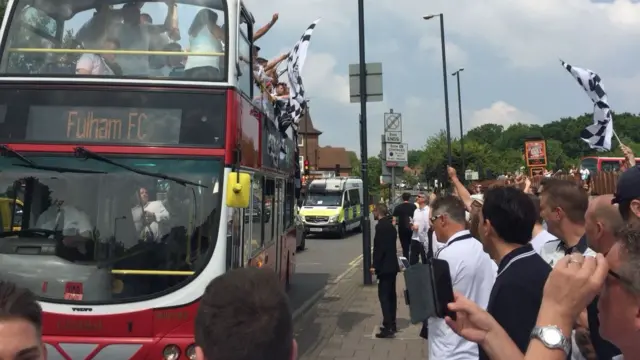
(546, 274)
(540, 273)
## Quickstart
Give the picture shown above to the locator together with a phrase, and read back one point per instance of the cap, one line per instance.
(628, 187)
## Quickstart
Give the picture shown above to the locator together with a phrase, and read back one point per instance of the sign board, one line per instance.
(374, 82)
(393, 137)
(391, 164)
(398, 153)
(392, 122)
(535, 153)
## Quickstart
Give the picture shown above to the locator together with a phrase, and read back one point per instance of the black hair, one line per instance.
(511, 213)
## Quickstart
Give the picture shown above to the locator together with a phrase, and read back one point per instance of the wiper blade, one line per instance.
(88, 154)
(29, 232)
(7, 151)
(60, 169)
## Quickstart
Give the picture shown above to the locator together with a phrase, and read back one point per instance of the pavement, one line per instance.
(324, 262)
(343, 323)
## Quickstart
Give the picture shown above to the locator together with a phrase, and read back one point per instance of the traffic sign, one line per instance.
(398, 153)
(393, 137)
(392, 122)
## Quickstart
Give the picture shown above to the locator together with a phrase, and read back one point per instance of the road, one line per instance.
(323, 260)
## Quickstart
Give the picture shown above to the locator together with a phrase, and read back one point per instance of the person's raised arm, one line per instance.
(462, 191)
(263, 30)
(274, 63)
(628, 155)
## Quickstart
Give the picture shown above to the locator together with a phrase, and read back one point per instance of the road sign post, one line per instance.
(365, 85)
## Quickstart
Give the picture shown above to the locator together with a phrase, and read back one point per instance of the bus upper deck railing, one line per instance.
(115, 52)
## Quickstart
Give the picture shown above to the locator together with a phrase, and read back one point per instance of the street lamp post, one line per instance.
(366, 222)
(444, 77)
(457, 75)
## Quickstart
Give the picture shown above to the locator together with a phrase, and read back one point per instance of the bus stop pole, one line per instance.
(366, 222)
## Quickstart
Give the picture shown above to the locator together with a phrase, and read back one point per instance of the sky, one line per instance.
(510, 51)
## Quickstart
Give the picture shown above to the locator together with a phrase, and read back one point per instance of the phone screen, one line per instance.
(443, 287)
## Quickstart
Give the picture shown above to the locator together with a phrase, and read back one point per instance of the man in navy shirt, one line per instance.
(505, 227)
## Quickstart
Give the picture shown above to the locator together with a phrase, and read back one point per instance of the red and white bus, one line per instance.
(602, 163)
(144, 163)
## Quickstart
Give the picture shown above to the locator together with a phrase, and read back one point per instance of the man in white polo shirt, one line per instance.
(420, 227)
(473, 274)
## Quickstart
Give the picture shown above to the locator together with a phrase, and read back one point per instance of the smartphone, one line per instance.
(403, 262)
(443, 287)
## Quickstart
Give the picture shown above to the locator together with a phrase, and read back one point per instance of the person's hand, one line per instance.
(149, 216)
(274, 18)
(472, 322)
(573, 283)
(628, 154)
(527, 182)
(451, 172)
(415, 227)
(372, 271)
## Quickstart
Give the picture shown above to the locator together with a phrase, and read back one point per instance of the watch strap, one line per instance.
(564, 344)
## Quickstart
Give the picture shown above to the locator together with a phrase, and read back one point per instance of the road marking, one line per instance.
(352, 264)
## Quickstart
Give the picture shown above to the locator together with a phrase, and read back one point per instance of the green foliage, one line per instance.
(493, 147)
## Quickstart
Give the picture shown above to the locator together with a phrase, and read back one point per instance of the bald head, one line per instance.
(606, 212)
(602, 219)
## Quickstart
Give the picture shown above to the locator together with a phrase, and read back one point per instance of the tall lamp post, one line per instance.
(457, 75)
(366, 222)
(444, 77)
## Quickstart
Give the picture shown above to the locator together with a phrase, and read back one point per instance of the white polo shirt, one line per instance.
(421, 217)
(473, 274)
(542, 238)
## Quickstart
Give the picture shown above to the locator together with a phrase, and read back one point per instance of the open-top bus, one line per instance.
(142, 170)
(602, 163)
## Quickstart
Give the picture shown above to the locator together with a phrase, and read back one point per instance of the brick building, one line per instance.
(321, 158)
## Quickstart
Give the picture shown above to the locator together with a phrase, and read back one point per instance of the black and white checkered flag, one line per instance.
(289, 111)
(597, 135)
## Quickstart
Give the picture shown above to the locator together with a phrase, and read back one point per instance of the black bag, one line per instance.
(421, 280)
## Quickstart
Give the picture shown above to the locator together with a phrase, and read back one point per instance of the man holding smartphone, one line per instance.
(403, 213)
(472, 274)
(420, 227)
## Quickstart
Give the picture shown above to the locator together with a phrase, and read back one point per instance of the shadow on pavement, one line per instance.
(304, 286)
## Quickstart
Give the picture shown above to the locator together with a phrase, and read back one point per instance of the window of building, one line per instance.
(300, 141)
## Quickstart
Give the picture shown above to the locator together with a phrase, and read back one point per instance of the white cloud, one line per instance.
(322, 79)
(432, 45)
(501, 113)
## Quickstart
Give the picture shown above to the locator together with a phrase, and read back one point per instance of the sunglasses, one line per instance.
(434, 218)
(620, 278)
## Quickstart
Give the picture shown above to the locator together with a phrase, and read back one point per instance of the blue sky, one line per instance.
(509, 49)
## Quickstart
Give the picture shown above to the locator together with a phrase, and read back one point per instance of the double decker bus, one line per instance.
(602, 163)
(139, 161)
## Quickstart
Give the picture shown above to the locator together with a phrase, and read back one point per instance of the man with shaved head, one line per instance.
(602, 220)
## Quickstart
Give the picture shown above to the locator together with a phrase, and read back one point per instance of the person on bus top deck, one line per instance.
(100, 64)
(125, 25)
(147, 215)
(173, 65)
(75, 224)
(205, 36)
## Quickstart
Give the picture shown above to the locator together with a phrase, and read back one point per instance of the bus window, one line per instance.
(610, 165)
(106, 225)
(590, 164)
(244, 56)
(131, 40)
(253, 215)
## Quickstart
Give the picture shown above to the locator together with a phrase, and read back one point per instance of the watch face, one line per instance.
(551, 336)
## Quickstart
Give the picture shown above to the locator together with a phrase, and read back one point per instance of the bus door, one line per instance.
(246, 217)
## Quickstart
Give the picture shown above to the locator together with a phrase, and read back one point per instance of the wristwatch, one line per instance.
(551, 337)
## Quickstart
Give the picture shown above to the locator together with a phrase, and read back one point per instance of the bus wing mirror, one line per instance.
(238, 190)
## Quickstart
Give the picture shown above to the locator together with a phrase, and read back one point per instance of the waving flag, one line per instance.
(597, 135)
(289, 111)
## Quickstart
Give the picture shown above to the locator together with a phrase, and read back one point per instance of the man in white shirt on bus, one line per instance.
(74, 223)
(473, 274)
(147, 216)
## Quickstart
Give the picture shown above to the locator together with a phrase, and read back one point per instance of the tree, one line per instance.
(498, 149)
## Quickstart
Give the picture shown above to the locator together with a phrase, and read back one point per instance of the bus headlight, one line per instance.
(191, 352)
(333, 218)
(171, 352)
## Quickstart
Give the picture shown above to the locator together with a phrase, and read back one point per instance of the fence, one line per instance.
(601, 182)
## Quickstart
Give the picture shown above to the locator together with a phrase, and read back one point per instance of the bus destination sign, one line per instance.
(123, 125)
